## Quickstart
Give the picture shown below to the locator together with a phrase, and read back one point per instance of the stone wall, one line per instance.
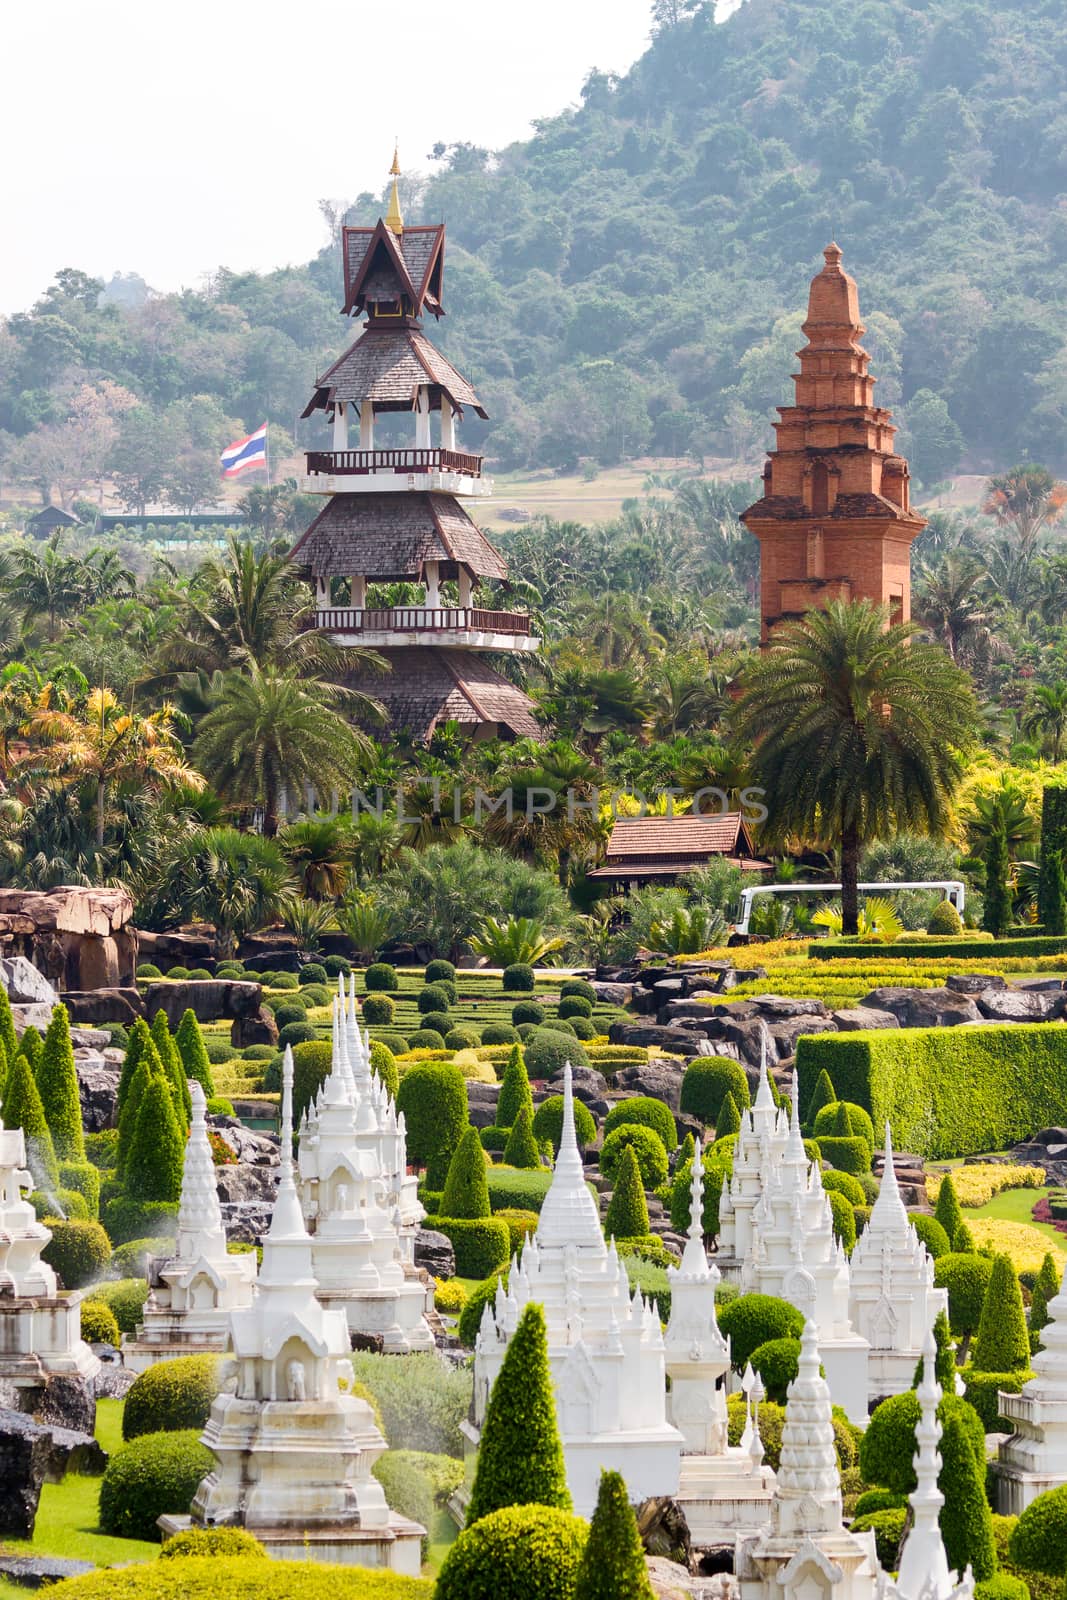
(79, 938)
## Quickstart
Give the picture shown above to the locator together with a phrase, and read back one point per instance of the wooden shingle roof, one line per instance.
(664, 847)
(389, 537)
(387, 368)
(427, 687)
(380, 266)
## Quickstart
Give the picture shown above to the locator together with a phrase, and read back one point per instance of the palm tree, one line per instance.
(1046, 715)
(46, 582)
(1002, 810)
(948, 600)
(1026, 500)
(109, 746)
(236, 881)
(858, 730)
(269, 732)
(319, 854)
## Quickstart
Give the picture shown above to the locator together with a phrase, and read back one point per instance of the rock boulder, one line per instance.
(257, 1027)
(435, 1252)
(1018, 1005)
(77, 938)
(858, 1019)
(924, 1008)
(209, 999)
(32, 1452)
(104, 1005)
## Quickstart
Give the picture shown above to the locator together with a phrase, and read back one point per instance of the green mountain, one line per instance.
(631, 279)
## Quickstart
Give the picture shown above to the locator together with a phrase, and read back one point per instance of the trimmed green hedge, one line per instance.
(125, 1297)
(482, 1244)
(78, 1250)
(518, 1553)
(846, 1155)
(208, 1577)
(516, 1188)
(947, 1091)
(981, 1390)
(171, 1395)
(157, 1473)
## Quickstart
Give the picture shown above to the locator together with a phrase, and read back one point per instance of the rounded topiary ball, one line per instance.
(462, 1039)
(647, 1147)
(316, 994)
(296, 1033)
(156, 1474)
(931, 1233)
(311, 972)
(148, 969)
(578, 986)
(435, 997)
(378, 1011)
(547, 1052)
(706, 1084)
(650, 1113)
(527, 1011)
(395, 1042)
(583, 1028)
(499, 1033)
(777, 1362)
(755, 1319)
(519, 978)
(529, 1551)
(170, 1395)
(201, 974)
(1039, 1539)
(439, 971)
(285, 980)
(426, 1039)
(98, 1325)
(561, 1025)
(178, 973)
(575, 1005)
(440, 1021)
(286, 1011)
(847, 1184)
(335, 965)
(548, 1122)
(79, 1250)
(379, 976)
(212, 1542)
(887, 1448)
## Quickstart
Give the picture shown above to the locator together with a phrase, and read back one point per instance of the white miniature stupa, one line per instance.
(892, 1299)
(759, 1146)
(795, 1255)
(722, 1488)
(924, 1571)
(605, 1345)
(1034, 1457)
(805, 1552)
(195, 1287)
(294, 1446)
(359, 1244)
(41, 1347)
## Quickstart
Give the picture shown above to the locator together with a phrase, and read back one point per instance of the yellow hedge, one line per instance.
(206, 1578)
(1026, 1246)
(976, 1185)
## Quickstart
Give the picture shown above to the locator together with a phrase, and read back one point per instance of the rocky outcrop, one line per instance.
(98, 1088)
(660, 1079)
(434, 1252)
(1018, 1005)
(104, 1005)
(78, 938)
(182, 949)
(257, 1028)
(209, 999)
(858, 1019)
(924, 1008)
(974, 982)
(31, 1453)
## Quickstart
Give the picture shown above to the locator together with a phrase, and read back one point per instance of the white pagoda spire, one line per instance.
(200, 1230)
(287, 1245)
(924, 1571)
(695, 1258)
(888, 1210)
(808, 1496)
(570, 1214)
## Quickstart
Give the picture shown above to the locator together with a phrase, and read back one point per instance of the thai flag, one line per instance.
(250, 452)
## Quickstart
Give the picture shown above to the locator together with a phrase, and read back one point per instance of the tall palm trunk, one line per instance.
(850, 875)
(101, 800)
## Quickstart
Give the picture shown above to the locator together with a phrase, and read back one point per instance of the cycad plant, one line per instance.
(504, 941)
(877, 919)
(308, 919)
(367, 923)
(688, 930)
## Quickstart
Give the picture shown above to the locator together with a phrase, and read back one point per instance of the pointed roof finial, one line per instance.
(924, 1568)
(394, 221)
(569, 1214)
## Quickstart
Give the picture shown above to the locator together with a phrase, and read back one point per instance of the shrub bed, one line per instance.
(206, 1578)
(78, 1250)
(520, 1553)
(171, 1396)
(947, 1091)
(157, 1473)
(422, 1400)
(482, 1244)
(973, 947)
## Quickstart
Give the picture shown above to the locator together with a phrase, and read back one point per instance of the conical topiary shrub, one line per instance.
(140, 1036)
(520, 1458)
(8, 1036)
(57, 1084)
(613, 1562)
(963, 1241)
(944, 1361)
(148, 1067)
(1002, 1343)
(627, 1216)
(173, 1068)
(823, 1094)
(1046, 1288)
(729, 1118)
(22, 1108)
(466, 1192)
(686, 1151)
(156, 1152)
(521, 1149)
(190, 1042)
(30, 1045)
(3, 1069)
(947, 1210)
(514, 1090)
(966, 1520)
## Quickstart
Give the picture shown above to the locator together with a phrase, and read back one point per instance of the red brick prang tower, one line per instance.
(835, 520)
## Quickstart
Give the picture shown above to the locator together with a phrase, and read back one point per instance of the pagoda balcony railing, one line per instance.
(354, 463)
(421, 619)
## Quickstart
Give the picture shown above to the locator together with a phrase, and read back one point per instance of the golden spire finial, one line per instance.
(393, 219)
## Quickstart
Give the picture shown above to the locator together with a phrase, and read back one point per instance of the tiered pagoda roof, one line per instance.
(396, 535)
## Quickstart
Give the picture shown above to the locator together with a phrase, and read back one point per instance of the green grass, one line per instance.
(67, 1514)
(1016, 1205)
(443, 1533)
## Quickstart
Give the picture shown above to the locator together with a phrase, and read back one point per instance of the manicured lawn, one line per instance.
(67, 1515)
(1016, 1205)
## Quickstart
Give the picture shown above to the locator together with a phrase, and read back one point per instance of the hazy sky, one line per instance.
(169, 140)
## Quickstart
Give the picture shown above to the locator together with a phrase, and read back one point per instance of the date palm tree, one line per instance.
(858, 730)
(236, 881)
(319, 853)
(1046, 715)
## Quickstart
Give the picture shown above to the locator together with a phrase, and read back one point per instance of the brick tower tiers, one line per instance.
(396, 515)
(835, 520)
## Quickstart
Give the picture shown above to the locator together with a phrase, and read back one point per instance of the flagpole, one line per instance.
(266, 451)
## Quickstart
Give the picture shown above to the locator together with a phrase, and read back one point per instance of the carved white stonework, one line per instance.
(194, 1289)
(293, 1446)
(1034, 1458)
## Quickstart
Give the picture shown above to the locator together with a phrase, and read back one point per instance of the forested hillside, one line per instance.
(630, 280)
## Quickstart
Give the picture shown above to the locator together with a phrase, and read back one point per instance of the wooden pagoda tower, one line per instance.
(397, 515)
(835, 518)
